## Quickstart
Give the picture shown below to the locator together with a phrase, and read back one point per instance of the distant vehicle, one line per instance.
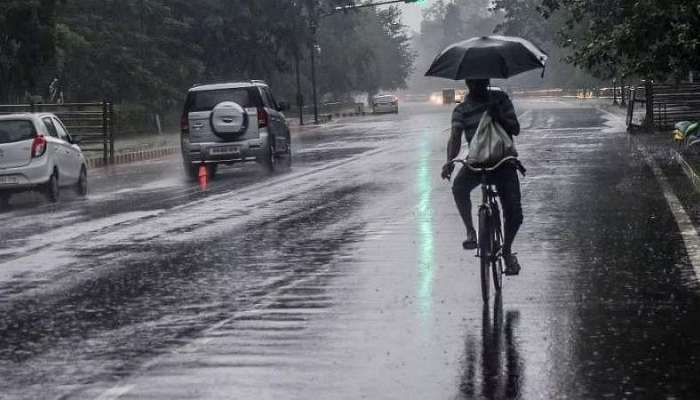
(436, 97)
(383, 103)
(227, 123)
(37, 152)
(415, 98)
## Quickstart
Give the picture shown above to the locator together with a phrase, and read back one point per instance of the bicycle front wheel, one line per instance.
(496, 246)
(484, 251)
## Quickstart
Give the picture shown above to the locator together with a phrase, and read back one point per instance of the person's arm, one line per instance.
(454, 143)
(507, 117)
(453, 146)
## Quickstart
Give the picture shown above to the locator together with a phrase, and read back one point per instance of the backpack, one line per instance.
(490, 144)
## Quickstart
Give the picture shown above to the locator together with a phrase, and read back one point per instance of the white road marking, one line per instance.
(685, 225)
(115, 392)
(689, 233)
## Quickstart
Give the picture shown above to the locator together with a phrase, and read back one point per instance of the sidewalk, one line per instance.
(678, 175)
(664, 151)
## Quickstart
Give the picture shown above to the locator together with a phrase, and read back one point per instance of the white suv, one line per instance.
(36, 152)
(227, 123)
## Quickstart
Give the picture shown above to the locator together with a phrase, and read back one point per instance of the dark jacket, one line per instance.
(468, 114)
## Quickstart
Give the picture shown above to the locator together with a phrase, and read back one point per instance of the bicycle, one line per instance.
(490, 232)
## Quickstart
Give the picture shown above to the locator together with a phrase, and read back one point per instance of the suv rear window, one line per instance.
(16, 130)
(207, 100)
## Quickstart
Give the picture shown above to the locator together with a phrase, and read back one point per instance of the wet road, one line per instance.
(344, 277)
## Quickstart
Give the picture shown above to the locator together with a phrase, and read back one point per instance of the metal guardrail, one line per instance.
(336, 107)
(92, 123)
(660, 106)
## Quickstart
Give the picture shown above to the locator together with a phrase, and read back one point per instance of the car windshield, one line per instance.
(207, 100)
(16, 130)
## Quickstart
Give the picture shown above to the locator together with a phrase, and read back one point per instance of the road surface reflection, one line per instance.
(496, 371)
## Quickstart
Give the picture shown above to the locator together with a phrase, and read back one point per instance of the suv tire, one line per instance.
(51, 188)
(286, 159)
(211, 170)
(269, 158)
(4, 201)
(81, 188)
(191, 170)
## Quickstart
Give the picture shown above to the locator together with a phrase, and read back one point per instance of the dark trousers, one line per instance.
(507, 185)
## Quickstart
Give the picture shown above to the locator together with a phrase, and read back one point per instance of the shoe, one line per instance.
(470, 243)
(512, 264)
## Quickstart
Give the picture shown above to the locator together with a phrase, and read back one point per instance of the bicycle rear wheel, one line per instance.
(497, 259)
(485, 241)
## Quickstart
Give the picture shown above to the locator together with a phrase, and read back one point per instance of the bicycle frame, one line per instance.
(489, 203)
(490, 233)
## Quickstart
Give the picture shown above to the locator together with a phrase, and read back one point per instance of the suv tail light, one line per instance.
(38, 146)
(263, 118)
(185, 124)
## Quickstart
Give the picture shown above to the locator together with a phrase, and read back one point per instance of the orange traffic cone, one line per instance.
(203, 177)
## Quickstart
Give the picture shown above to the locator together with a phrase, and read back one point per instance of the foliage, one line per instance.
(26, 42)
(644, 38)
(151, 51)
(364, 51)
(526, 18)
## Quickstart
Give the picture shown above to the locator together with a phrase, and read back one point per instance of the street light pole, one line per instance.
(300, 97)
(313, 69)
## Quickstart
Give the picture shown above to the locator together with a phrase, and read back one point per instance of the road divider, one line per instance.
(134, 156)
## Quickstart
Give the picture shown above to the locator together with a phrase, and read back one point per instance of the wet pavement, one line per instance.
(344, 277)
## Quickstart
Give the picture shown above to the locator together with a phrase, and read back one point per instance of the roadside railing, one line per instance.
(337, 107)
(92, 123)
(660, 106)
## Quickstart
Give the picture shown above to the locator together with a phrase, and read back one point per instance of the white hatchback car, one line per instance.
(37, 152)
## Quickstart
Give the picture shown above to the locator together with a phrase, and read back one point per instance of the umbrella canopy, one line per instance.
(487, 57)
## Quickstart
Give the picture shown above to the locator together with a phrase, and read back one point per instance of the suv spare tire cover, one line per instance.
(229, 118)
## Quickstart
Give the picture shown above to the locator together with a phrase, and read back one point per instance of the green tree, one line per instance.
(364, 51)
(150, 51)
(529, 19)
(27, 39)
(644, 38)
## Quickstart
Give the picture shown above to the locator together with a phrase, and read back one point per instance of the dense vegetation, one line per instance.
(589, 42)
(615, 38)
(446, 22)
(150, 51)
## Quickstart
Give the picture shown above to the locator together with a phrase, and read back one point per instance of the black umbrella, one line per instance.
(487, 57)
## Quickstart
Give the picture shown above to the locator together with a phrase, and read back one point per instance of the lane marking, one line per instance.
(685, 225)
(115, 392)
(688, 232)
(206, 336)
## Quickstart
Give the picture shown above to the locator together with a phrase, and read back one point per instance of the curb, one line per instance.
(130, 157)
(349, 114)
(688, 169)
(323, 118)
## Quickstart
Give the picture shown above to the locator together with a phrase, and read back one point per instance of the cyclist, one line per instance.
(465, 120)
